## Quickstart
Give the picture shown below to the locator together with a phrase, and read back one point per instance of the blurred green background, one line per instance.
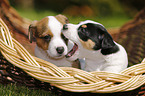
(111, 13)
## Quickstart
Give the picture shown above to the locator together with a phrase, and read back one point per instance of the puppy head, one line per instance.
(89, 35)
(48, 35)
(94, 36)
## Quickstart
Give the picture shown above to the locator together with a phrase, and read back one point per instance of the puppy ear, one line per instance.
(107, 41)
(61, 18)
(32, 29)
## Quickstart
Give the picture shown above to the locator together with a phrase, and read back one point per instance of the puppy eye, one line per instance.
(63, 37)
(47, 37)
(84, 31)
(82, 34)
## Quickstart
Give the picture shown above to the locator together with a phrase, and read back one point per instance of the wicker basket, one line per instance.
(18, 66)
(18, 76)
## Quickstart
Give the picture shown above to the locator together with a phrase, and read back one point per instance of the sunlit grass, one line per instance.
(13, 90)
(109, 21)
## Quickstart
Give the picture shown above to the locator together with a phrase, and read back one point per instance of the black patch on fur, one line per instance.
(82, 34)
(64, 38)
(108, 51)
(98, 34)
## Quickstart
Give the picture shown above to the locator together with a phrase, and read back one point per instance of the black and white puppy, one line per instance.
(95, 44)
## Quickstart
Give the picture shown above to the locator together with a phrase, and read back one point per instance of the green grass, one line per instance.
(108, 22)
(13, 90)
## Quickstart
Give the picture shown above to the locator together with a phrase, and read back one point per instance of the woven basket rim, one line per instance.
(68, 78)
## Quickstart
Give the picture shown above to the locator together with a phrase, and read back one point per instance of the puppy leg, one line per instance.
(82, 63)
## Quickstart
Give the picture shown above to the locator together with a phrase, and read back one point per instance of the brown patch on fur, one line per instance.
(42, 30)
(42, 43)
(84, 26)
(62, 19)
(88, 44)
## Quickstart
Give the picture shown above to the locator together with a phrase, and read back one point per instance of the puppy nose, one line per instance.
(65, 27)
(60, 50)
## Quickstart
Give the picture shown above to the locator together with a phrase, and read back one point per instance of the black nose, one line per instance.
(65, 27)
(60, 50)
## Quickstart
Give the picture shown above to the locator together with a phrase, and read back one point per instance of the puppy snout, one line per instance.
(60, 50)
(65, 27)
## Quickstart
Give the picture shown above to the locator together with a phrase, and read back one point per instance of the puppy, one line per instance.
(95, 44)
(50, 42)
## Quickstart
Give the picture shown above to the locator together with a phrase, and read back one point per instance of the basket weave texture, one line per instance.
(17, 59)
(67, 78)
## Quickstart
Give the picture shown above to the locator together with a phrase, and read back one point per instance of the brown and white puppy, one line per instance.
(50, 42)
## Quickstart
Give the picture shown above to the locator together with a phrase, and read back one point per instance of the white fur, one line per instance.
(95, 60)
(55, 27)
(89, 21)
(62, 62)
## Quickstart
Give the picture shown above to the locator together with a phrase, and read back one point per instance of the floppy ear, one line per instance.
(107, 41)
(32, 30)
(61, 18)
